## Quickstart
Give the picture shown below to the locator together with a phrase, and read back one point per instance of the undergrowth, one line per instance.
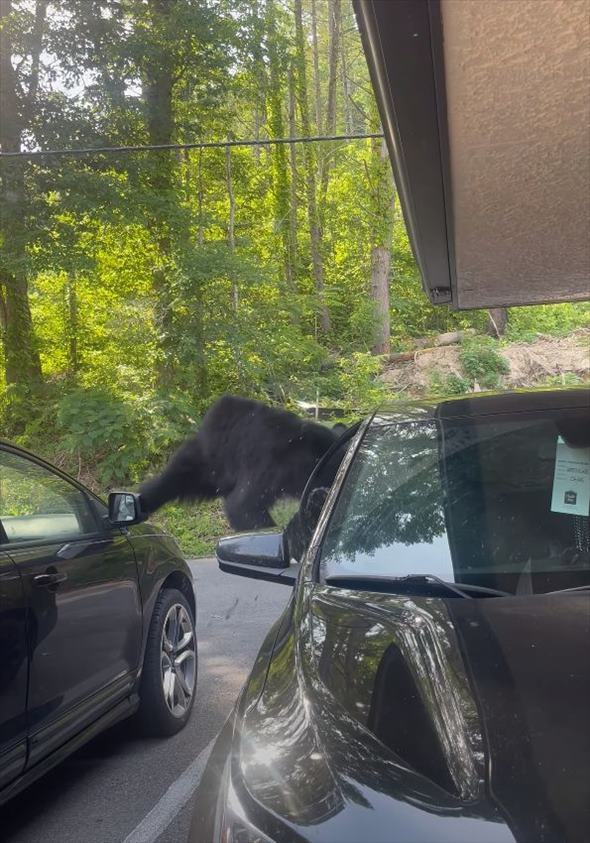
(196, 527)
(482, 363)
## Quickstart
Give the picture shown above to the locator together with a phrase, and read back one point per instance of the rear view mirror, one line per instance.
(261, 556)
(125, 509)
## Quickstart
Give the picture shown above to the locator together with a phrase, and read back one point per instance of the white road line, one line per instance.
(172, 802)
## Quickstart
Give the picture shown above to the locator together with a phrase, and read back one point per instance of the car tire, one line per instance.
(169, 667)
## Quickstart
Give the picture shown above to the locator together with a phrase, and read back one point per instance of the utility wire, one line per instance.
(163, 147)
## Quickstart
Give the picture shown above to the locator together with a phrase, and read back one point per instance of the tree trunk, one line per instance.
(280, 175)
(346, 93)
(335, 24)
(293, 204)
(335, 20)
(380, 262)
(316, 68)
(310, 174)
(201, 227)
(497, 321)
(383, 195)
(21, 357)
(160, 124)
(231, 238)
(72, 327)
(260, 71)
(3, 316)
(37, 39)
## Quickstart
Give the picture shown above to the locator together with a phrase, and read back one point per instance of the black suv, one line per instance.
(97, 619)
(429, 679)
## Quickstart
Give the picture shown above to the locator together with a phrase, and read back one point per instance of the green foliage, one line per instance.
(196, 527)
(526, 323)
(104, 428)
(447, 384)
(354, 386)
(283, 511)
(565, 379)
(482, 362)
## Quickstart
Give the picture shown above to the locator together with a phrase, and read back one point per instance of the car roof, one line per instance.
(486, 112)
(480, 404)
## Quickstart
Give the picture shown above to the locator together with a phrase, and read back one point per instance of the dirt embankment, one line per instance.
(548, 359)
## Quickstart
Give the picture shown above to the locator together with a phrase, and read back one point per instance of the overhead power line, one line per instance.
(163, 147)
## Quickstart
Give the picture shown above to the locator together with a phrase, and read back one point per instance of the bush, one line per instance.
(102, 429)
(355, 385)
(526, 323)
(564, 379)
(447, 384)
(482, 363)
(196, 527)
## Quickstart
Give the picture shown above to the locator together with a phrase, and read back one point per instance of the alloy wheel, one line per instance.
(178, 660)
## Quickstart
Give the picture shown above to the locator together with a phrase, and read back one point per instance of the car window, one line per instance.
(36, 504)
(499, 503)
(300, 529)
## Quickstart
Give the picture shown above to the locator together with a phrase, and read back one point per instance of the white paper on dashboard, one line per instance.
(571, 480)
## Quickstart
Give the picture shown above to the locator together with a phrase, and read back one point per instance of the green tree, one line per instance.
(18, 100)
(309, 158)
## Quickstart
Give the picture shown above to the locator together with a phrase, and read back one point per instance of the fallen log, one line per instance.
(402, 357)
(453, 337)
(420, 346)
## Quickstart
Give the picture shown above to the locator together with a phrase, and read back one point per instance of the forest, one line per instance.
(138, 286)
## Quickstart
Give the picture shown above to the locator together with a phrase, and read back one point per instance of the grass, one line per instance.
(197, 527)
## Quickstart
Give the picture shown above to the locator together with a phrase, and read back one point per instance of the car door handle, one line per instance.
(51, 578)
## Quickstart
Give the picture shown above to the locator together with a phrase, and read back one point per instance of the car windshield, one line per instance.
(499, 503)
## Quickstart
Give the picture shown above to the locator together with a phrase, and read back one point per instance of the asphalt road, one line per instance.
(121, 787)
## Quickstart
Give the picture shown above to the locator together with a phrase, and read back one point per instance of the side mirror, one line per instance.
(262, 556)
(125, 509)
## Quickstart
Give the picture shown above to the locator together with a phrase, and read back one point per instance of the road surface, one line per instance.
(124, 789)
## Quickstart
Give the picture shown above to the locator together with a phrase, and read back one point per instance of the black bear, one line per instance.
(249, 454)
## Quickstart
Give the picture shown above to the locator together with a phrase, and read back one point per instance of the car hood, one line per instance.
(530, 673)
(385, 718)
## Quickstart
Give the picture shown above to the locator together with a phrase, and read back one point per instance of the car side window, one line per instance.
(38, 505)
(300, 529)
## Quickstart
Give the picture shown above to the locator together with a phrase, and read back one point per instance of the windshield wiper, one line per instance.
(568, 590)
(425, 584)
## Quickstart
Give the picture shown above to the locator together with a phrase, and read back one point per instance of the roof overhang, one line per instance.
(486, 111)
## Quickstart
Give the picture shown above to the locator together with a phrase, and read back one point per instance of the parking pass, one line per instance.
(571, 480)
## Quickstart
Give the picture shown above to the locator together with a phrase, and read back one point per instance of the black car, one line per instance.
(429, 680)
(97, 619)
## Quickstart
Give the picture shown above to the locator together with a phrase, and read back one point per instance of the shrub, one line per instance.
(355, 385)
(102, 429)
(482, 363)
(447, 384)
(196, 527)
(564, 379)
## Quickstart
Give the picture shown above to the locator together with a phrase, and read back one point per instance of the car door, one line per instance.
(13, 672)
(81, 589)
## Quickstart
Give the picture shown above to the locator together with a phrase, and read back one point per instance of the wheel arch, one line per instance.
(179, 580)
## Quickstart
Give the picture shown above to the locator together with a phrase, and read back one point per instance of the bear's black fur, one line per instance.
(249, 454)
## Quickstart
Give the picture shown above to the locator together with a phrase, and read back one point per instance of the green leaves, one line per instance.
(482, 362)
(102, 429)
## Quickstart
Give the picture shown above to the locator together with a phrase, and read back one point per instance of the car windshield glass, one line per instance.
(500, 503)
